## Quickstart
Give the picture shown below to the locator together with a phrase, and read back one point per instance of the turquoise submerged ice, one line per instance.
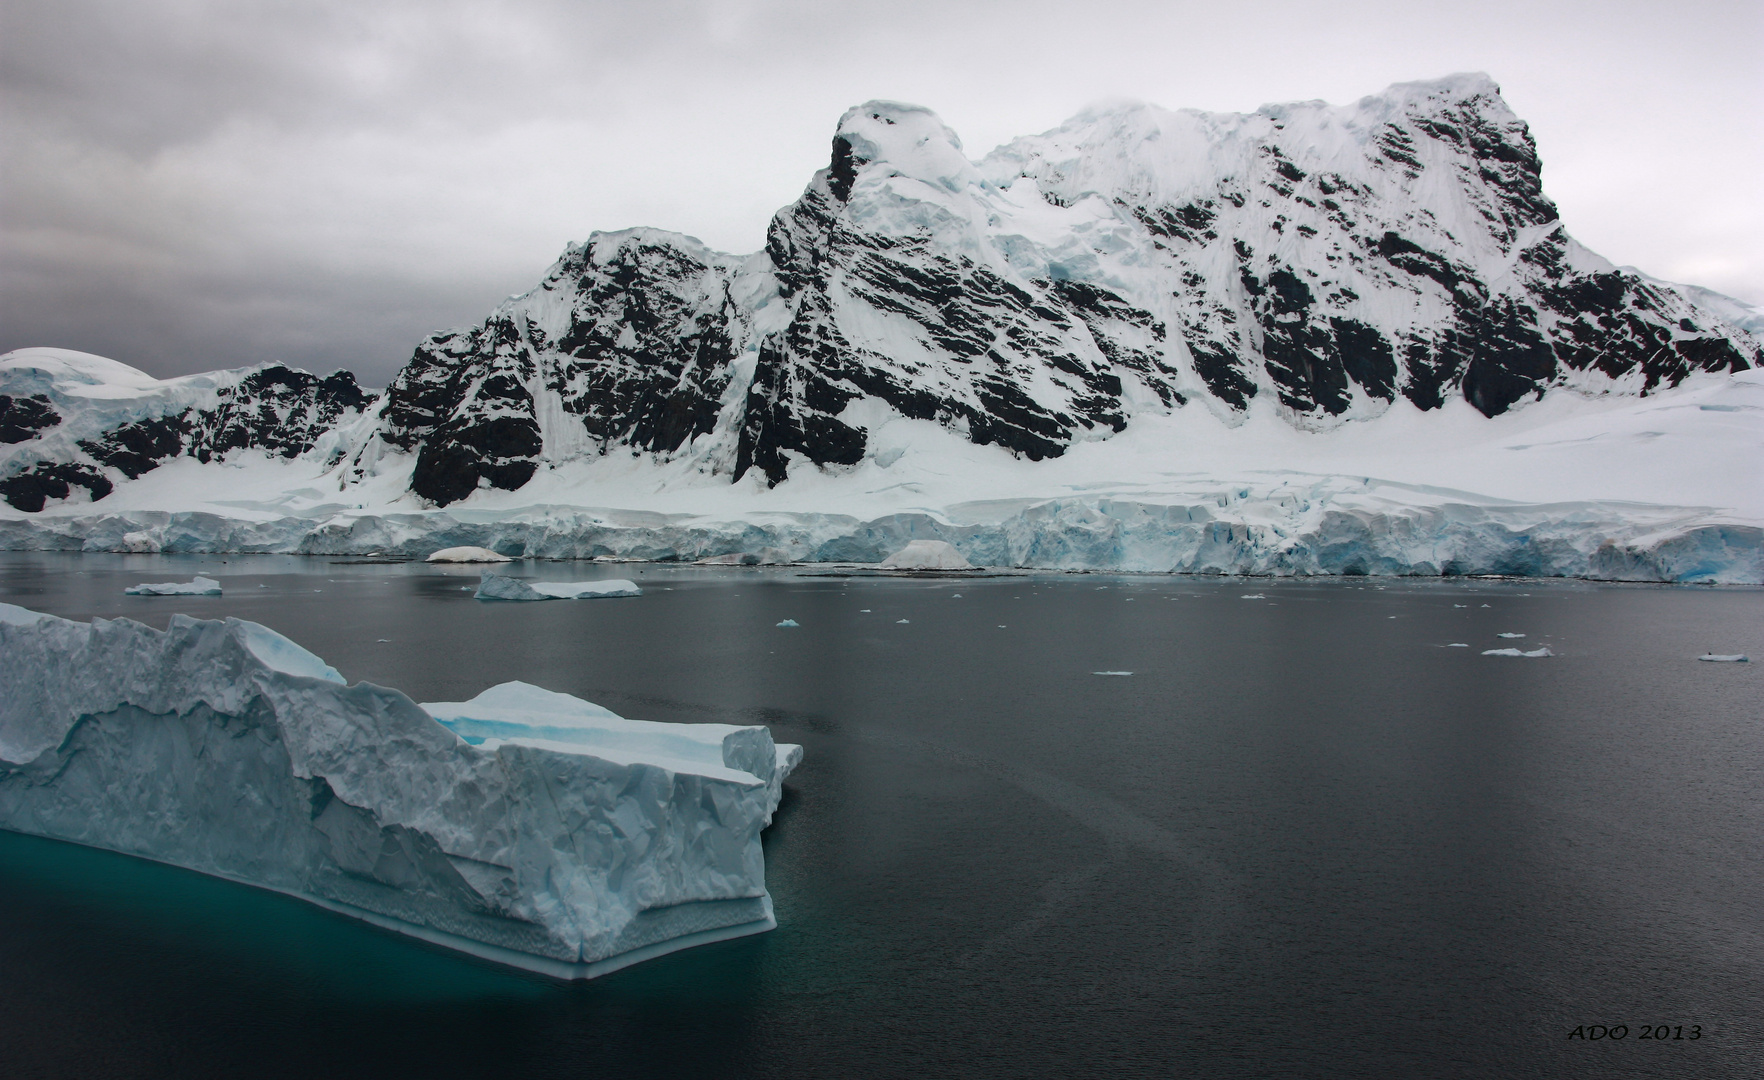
(526, 826)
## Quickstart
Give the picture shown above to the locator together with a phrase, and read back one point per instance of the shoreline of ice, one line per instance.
(573, 842)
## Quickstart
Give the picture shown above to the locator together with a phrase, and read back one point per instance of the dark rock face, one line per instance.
(30, 490)
(275, 409)
(23, 418)
(1331, 261)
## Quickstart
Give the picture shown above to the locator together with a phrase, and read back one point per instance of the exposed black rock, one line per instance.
(30, 490)
(22, 418)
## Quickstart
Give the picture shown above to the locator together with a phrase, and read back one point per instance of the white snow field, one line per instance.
(494, 586)
(1667, 487)
(467, 554)
(541, 831)
(201, 586)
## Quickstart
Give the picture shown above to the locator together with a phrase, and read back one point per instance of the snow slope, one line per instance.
(541, 831)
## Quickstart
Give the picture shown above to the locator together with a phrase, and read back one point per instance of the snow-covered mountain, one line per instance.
(71, 420)
(1330, 258)
(1311, 339)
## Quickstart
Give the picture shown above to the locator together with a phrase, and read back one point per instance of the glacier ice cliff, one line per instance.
(524, 826)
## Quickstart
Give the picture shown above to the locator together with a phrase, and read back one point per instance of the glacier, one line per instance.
(524, 826)
(1312, 339)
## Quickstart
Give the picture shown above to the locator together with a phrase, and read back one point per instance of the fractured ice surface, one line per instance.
(526, 826)
(1545, 651)
(201, 586)
(501, 587)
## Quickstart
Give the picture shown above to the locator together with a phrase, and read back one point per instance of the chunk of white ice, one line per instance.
(528, 827)
(467, 554)
(1545, 651)
(1726, 658)
(494, 586)
(201, 586)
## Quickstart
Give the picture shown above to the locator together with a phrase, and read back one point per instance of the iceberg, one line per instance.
(467, 554)
(525, 826)
(502, 587)
(201, 586)
(1726, 658)
(927, 555)
(1545, 651)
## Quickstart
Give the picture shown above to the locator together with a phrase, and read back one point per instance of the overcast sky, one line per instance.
(194, 184)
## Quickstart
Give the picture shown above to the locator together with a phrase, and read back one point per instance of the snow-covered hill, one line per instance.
(1312, 339)
(1333, 259)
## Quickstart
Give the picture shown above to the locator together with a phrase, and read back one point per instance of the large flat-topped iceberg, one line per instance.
(525, 826)
(502, 587)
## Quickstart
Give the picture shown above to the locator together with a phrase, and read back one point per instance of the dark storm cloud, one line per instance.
(189, 185)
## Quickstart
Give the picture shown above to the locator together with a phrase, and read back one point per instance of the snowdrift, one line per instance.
(524, 826)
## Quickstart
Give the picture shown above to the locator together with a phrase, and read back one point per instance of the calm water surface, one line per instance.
(1302, 838)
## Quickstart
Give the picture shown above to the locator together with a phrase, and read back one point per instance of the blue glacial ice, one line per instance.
(525, 826)
(502, 587)
(201, 586)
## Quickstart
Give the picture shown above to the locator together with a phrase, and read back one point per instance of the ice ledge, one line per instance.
(538, 852)
(1282, 527)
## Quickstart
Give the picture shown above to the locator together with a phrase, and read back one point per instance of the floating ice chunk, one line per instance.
(1111, 673)
(201, 586)
(927, 555)
(1510, 635)
(1461, 605)
(789, 622)
(900, 621)
(863, 611)
(494, 586)
(1726, 658)
(1459, 645)
(467, 555)
(528, 827)
(1252, 596)
(1545, 651)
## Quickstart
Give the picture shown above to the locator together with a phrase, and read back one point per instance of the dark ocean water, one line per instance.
(1303, 838)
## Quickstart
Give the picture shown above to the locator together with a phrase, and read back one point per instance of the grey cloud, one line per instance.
(190, 184)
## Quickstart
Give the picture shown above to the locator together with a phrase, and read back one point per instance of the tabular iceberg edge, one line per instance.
(524, 826)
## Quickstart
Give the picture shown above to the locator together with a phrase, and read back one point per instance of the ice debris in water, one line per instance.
(494, 586)
(1111, 673)
(201, 586)
(1545, 651)
(1509, 635)
(927, 555)
(466, 555)
(529, 827)
(789, 622)
(1252, 596)
(898, 621)
(1459, 645)
(1726, 658)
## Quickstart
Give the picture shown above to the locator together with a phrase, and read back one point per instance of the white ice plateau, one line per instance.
(525, 826)
(502, 587)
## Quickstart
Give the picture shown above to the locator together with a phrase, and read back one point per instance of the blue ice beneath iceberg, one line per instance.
(201, 586)
(525, 826)
(502, 587)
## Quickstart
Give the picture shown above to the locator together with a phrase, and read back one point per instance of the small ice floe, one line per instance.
(382, 639)
(1460, 605)
(495, 586)
(202, 586)
(1001, 626)
(1545, 651)
(467, 555)
(1509, 635)
(898, 622)
(1485, 605)
(863, 611)
(955, 596)
(1252, 596)
(927, 555)
(789, 622)
(1459, 645)
(1726, 658)
(1111, 673)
